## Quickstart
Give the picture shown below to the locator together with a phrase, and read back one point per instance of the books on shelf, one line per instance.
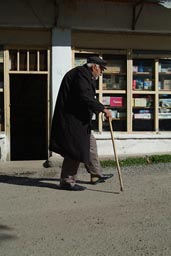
(1, 127)
(106, 101)
(167, 85)
(164, 115)
(140, 102)
(142, 115)
(139, 84)
(1, 84)
(165, 103)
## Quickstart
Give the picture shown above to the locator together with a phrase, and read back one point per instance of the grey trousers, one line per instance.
(70, 166)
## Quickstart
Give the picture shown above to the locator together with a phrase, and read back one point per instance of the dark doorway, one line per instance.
(28, 113)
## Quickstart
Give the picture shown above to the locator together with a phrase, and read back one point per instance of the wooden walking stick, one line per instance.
(115, 155)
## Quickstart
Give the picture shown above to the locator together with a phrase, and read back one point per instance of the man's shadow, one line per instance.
(28, 181)
(41, 182)
(36, 182)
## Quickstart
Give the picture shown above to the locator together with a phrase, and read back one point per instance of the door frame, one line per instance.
(7, 103)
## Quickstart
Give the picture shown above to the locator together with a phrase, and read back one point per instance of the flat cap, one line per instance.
(97, 60)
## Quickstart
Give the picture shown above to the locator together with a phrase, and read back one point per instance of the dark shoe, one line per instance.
(46, 164)
(107, 176)
(96, 180)
(72, 188)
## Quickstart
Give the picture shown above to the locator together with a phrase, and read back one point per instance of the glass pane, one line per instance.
(43, 60)
(1, 56)
(164, 75)
(1, 112)
(165, 112)
(23, 60)
(117, 104)
(13, 59)
(143, 74)
(115, 76)
(1, 75)
(81, 58)
(33, 60)
(143, 112)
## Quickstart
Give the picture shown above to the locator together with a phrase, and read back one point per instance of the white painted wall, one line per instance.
(3, 153)
(61, 58)
(134, 147)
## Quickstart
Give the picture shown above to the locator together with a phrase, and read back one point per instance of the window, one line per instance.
(1, 91)
(28, 60)
(136, 87)
(164, 87)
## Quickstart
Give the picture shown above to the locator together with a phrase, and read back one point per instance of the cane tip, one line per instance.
(122, 189)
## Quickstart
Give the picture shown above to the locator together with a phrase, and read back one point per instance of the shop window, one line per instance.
(143, 112)
(23, 60)
(164, 87)
(28, 60)
(164, 112)
(136, 88)
(43, 60)
(143, 75)
(13, 60)
(1, 91)
(33, 60)
(117, 104)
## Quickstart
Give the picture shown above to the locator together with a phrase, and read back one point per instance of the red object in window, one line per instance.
(116, 101)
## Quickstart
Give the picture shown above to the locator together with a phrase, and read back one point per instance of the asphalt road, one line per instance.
(37, 219)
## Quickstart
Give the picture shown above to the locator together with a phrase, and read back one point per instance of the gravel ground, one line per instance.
(37, 219)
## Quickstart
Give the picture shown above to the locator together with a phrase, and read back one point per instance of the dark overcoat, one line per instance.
(75, 105)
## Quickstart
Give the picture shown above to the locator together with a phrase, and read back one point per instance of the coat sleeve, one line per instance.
(86, 93)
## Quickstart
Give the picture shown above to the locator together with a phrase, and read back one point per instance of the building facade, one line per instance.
(40, 42)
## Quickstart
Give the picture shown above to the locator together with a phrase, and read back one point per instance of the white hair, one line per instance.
(91, 64)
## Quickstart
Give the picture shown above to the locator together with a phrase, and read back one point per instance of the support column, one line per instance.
(61, 58)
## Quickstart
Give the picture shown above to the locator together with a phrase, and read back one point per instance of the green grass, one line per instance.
(137, 160)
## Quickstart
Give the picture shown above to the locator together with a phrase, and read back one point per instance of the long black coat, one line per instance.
(71, 124)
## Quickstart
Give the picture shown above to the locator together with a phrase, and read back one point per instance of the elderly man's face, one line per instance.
(97, 70)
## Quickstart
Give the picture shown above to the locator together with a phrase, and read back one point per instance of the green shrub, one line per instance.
(137, 160)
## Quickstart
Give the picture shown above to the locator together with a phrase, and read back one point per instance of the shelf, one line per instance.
(164, 118)
(114, 91)
(164, 107)
(121, 118)
(142, 73)
(164, 92)
(164, 73)
(143, 119)
(114, 73)
(1, 89)
(114, 107)
(138, 107)
(143, 92)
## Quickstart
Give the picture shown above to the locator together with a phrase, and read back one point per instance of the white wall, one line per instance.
(61, 58)
(134, 146)
(2, 148)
